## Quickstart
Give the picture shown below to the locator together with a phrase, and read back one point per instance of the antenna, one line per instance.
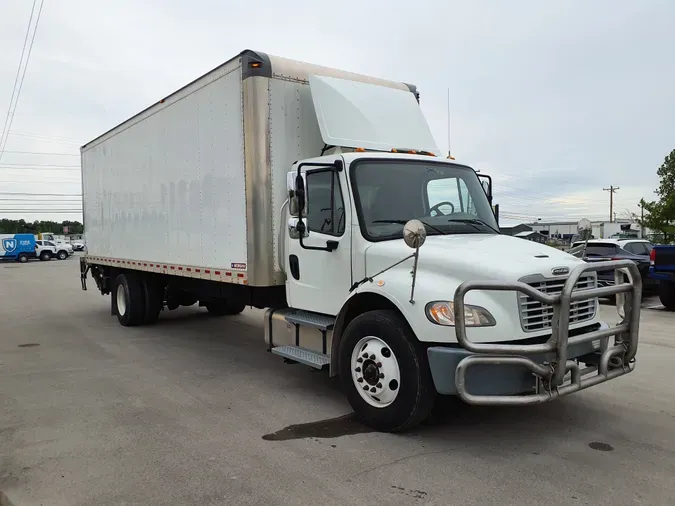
(449, 152)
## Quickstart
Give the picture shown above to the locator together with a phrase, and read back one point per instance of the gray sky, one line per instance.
(556, 100)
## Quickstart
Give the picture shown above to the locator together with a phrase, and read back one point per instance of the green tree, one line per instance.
(660, 214)
(23, 227)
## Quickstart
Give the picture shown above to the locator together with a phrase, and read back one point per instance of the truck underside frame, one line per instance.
(613, 360)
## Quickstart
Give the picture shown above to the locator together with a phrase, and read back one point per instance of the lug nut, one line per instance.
(359, 360)
(365, 355)
(360, 380)
(381, 375)
(379, 385)
(372, 357)
(365, 387)
(373, 390)
(358, 369)
(379, 364)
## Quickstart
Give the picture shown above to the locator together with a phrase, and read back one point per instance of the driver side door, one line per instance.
(317, 279)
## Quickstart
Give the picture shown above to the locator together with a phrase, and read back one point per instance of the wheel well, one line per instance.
(359, 304)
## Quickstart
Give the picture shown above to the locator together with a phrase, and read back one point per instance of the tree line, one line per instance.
(660, 213)
(26, 227)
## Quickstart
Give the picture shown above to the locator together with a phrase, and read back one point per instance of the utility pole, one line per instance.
(611, 191)
(642, 221)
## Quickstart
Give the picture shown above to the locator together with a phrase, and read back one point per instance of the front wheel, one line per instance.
(385, 372)
(62, 255)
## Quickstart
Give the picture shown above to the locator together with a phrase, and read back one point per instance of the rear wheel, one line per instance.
(667, 294)
(225, 307)
(129, 299)
(385, 372)
(23, 258)
(45, 255)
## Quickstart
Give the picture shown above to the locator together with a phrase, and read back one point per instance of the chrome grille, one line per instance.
(535, 316)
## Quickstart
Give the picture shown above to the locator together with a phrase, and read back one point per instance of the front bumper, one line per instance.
(502, 379)
(522, 373)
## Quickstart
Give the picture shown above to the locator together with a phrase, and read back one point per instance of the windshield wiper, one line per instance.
(475, 222)
(403, 222)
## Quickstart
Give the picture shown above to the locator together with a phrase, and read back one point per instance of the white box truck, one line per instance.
(320, 195)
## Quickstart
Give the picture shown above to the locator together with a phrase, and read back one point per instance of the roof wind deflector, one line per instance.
(354, 114)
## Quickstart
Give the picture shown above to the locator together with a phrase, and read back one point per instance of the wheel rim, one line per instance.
(375, 372)
(121, 300)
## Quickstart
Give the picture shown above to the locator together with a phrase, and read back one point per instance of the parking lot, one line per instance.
(195, 411)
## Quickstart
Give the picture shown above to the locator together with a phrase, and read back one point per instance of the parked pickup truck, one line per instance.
(662, 268)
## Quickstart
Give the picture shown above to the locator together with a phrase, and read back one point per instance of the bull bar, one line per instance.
(614, 361)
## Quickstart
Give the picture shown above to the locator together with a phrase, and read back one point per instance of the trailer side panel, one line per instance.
(169, 186)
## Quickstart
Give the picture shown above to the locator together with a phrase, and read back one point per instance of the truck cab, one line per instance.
(387, 317)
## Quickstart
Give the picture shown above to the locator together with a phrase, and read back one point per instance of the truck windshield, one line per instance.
(447, 197)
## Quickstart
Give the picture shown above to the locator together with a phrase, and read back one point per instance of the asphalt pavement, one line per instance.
(195, 411)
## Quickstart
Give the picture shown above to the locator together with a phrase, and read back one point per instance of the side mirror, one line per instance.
(297, 228)
(414, 234)
(584, 228)
(297, 191)
(486, 183)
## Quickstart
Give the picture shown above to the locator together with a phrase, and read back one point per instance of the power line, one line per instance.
(7, 125)
(40, 153)
(10, 118)
(46, 138)
(43, 194)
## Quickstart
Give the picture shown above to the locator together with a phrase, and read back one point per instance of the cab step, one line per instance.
(308, 319)
(302, 355)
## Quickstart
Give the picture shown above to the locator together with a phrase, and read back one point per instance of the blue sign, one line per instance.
(9, 245)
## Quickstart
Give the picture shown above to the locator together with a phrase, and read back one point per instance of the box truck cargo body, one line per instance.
(320, 195)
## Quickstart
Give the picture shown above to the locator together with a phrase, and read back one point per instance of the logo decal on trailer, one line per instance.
(9, 245)
(238, 266)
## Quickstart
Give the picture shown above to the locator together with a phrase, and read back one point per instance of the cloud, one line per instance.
(556, 100)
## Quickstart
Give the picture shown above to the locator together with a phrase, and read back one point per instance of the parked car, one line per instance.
(600, 250)
(78, 245)
(59, 251)
(663, 271)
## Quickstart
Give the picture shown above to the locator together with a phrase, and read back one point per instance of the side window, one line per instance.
(640, 248)
(48, 243)
(325, 207)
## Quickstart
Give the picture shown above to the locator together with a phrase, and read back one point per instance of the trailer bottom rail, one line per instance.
(611, 365)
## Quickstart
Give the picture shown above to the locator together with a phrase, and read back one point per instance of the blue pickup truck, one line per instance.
(662, 268)
(18, 247)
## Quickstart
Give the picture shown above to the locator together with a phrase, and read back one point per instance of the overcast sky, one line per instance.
(556, 100)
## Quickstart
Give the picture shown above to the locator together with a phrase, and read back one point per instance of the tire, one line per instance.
(128, 299)
(45, 255)
(223, 307)
(23, 258)
(62, 255)
(153, 297)
(667, 294)
(401, 402)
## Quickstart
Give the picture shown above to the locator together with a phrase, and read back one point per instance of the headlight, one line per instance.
(443, 313)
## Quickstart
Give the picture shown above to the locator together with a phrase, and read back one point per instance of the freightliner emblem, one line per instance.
(559, 271)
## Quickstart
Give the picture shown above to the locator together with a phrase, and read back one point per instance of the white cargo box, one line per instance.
(192, 186)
